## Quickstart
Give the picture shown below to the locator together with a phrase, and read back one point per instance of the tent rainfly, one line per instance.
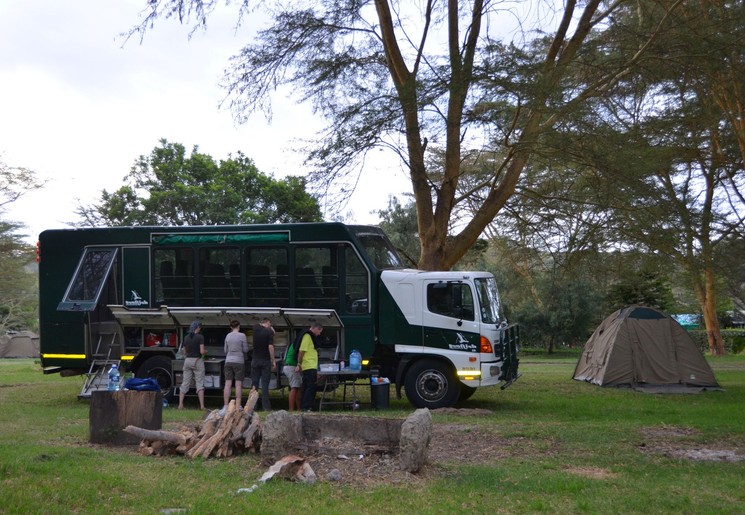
(643, 347)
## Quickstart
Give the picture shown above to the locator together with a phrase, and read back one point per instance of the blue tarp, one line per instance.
(147, 384)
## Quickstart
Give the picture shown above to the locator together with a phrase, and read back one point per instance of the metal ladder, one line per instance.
(97, 377)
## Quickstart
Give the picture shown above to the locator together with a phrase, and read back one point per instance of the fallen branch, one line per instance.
(153, 435)
(219, 435)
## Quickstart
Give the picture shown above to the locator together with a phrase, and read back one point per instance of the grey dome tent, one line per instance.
(643, 347)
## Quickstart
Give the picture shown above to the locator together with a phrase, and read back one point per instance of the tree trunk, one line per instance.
(711, 321)
(706, 295)
(111, 412)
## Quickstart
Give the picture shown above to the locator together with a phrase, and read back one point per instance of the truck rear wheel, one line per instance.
(431, 384)
(159, 368)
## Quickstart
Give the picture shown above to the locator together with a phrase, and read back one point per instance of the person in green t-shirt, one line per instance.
(294, 378)
(307, 365)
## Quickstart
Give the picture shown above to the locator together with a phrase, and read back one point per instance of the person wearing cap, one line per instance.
(193, 364)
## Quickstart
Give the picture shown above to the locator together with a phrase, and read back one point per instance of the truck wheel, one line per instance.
(159, 368)
(431, 384)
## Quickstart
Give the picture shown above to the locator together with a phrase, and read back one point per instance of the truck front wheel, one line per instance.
(431, 384)
(159, 368)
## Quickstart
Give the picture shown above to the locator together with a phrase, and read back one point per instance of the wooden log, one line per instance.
(208, 441)
(250, 434)
(210, 424)
(156, 435)
(253, 398)
(222, 432)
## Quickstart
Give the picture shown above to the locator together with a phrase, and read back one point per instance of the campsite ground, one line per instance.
(547, 444)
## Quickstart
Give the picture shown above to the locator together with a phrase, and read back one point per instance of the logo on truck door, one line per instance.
(462, 343)
(135, 300)
(459, 340)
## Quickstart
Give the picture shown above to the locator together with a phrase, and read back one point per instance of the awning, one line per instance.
(282, 318)
(137, 317)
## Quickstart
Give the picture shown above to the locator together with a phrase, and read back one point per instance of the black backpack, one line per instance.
(292, 350)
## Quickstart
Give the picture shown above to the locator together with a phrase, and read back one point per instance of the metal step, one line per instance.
(97, 377)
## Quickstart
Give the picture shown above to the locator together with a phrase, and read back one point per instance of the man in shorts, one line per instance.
(193, 364)
(236, 347)
(294, 378)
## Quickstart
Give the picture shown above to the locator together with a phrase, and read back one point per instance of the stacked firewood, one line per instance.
(219, 435)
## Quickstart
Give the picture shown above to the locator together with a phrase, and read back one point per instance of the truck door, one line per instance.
(448, 318)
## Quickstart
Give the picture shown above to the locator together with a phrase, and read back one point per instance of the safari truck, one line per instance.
(126, 295)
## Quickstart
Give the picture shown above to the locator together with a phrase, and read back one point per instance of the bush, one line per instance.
(733, 339)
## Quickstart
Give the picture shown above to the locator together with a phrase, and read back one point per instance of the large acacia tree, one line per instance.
(420, 78)
(19, 308)
(169, 187)
(656, 164)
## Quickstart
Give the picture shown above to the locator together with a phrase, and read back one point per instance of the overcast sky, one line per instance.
(78, 105)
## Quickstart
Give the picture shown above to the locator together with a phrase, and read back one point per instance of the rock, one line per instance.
(281, 434)
(416, 432)
(334, 475)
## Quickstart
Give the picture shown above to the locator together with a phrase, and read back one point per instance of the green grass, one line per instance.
(562, 447)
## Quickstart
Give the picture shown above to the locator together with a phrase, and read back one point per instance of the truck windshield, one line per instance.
(491, 307)
(381, 252)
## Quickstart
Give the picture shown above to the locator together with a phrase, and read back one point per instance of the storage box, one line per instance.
(328, 367)
(212, 381)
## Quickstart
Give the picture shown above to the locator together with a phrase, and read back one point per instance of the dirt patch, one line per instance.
(450, 443)
(592, 472)
(679, 443)
(667, 432)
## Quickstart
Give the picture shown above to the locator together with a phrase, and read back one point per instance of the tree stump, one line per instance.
(111, 412)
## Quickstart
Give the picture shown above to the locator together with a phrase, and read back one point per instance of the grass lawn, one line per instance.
(553, 445)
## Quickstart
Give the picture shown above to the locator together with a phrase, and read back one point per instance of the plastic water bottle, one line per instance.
(355, 361)
(114, 378)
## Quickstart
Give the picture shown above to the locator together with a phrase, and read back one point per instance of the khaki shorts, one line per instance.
(235, 371)
(295, 378)
(193, 368)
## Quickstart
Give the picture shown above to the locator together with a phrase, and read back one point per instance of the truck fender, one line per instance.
(403, 364)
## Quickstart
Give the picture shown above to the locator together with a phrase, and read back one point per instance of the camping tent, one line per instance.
(19, 345)
(643, 347)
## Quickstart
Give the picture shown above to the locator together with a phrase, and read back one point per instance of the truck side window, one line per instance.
(451, 300)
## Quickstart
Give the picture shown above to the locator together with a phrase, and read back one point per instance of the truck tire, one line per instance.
(431, 384)
(159, 368)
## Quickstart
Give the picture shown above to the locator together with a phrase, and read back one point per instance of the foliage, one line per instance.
(19, 308)
(564, 317)
(730, 263)
(431, 82)
(646, 288)
(15, 182)
(399, 224)
(18, 280)
(170, 188)
(733, 340)
(656, 165)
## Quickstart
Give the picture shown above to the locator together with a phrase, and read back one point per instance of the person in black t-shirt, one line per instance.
(262, 362)
(193, 364)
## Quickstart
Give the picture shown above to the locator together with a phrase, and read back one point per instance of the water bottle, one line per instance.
(355, 361)
(165, 402)
(114, 378)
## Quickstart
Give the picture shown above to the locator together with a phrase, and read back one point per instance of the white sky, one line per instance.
(78, 105)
